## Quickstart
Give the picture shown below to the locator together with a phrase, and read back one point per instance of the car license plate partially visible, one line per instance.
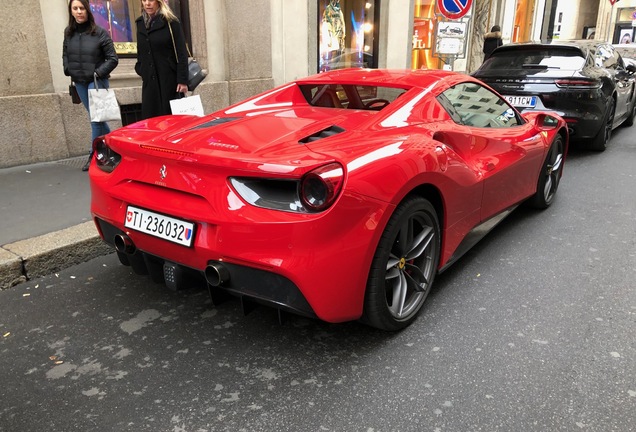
(158, 225)
(522, 101)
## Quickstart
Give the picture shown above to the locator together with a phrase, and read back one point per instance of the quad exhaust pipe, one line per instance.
(124, 244)
(216, 274)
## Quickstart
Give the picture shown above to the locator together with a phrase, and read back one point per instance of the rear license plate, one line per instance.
(157, 225)
(522, 101)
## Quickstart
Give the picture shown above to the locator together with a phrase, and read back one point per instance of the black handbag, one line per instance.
(72, 90)
(195, 72)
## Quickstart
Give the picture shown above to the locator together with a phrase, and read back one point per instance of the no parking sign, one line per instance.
(454, 9)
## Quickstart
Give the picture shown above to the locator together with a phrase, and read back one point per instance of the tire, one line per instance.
(404, 266)
(599, 142)
(629, 121)
(550, 175)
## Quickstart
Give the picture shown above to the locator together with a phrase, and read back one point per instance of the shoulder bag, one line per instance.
(72, 90)
(195, 72)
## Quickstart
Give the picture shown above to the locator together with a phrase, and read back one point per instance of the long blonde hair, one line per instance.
(164, 11)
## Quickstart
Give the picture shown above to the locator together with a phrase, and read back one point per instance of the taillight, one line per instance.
(320, 187)
(578, 83)
(105, 158)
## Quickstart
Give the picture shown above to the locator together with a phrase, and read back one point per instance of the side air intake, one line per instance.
(325, 133)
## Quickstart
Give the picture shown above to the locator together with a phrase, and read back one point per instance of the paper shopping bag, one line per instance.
(187, 106)
(103, 105)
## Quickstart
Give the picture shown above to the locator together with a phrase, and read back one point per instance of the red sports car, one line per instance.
(338, 196)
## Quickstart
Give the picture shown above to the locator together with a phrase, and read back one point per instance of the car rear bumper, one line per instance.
(313, 266)
(245, 282)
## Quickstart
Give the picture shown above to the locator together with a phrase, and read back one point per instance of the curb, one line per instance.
(48, 253)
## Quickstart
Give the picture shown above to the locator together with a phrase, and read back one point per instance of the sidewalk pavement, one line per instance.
(45, 220)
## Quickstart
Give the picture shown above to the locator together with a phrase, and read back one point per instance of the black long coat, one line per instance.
(157, 65)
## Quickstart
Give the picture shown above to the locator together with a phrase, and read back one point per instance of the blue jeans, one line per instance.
(97, 128)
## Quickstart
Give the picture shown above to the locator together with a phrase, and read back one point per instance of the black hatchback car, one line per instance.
(584, 81)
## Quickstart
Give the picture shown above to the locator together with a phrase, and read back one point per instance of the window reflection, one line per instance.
(347, 34)
(118, 18)
(473, 105)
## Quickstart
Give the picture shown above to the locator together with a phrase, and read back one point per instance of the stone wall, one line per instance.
(38, 121)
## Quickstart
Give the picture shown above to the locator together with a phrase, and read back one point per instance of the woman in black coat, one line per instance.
(88, 52)
(162, 58)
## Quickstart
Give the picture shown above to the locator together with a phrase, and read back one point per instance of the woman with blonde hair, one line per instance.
(162, 58)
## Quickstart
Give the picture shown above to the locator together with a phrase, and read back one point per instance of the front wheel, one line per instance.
(549, 176)
(404, 266)
(629, 121)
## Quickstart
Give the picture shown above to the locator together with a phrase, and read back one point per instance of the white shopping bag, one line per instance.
(103, 106)
(187, 106)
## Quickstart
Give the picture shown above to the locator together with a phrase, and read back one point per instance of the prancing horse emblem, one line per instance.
(163, 172)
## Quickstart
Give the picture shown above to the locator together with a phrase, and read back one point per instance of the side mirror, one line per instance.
(541, 120)
(631, 68)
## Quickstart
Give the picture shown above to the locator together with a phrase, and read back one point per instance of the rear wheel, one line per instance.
(404, 266)
(599, 142)
(629, 121)
(549, 176)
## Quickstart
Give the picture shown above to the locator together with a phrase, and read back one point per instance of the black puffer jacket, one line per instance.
(84, 54)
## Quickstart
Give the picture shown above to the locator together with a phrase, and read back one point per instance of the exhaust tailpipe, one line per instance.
(124, 244)
(216, 274)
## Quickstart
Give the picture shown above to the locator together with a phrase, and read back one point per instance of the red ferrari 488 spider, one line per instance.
(338, 196)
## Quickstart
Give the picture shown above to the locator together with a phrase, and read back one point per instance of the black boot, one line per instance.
(88, 162)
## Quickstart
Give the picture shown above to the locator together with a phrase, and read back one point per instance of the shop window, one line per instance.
(118, 18)
(424, 21)
(347, 34)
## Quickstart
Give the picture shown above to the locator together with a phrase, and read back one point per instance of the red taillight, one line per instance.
(578, 83)
(320, 187)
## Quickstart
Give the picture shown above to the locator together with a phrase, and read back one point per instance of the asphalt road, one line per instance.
(533, 330)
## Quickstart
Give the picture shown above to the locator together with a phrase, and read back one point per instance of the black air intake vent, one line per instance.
(325, 133)
(217, 121)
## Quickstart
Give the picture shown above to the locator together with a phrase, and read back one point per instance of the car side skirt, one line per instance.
(476, 234)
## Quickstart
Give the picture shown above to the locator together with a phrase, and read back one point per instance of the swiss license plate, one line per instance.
(158, 225)
(522, 101)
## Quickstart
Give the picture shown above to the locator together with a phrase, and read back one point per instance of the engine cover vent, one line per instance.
(325, 133)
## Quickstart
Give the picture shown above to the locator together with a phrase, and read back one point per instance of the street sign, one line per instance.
(454, 9)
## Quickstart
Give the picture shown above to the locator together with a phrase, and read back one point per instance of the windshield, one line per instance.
(535, 59)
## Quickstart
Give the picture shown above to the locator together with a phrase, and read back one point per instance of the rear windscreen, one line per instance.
(535, 59)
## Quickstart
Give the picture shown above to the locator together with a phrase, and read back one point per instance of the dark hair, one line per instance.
(72, 24)
(495, 28)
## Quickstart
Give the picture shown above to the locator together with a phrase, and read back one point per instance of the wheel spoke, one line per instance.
(547, 189)
(417, 277)
(399, 295)
(392, 262)
(556, 166)
(421, 243)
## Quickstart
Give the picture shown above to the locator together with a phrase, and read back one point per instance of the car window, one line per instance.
(544, 57)
(474, 105)
(362, 97)
(607, 57)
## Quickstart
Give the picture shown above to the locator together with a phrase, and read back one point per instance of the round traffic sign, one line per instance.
(454, 9)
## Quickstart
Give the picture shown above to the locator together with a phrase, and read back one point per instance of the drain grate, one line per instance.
(75, 162)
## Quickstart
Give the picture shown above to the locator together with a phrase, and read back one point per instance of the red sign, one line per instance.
(454, 9)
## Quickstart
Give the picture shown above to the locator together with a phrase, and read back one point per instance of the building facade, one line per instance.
(245, 46)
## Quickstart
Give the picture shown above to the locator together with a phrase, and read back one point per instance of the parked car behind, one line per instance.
(628, 52)
(584, 81)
